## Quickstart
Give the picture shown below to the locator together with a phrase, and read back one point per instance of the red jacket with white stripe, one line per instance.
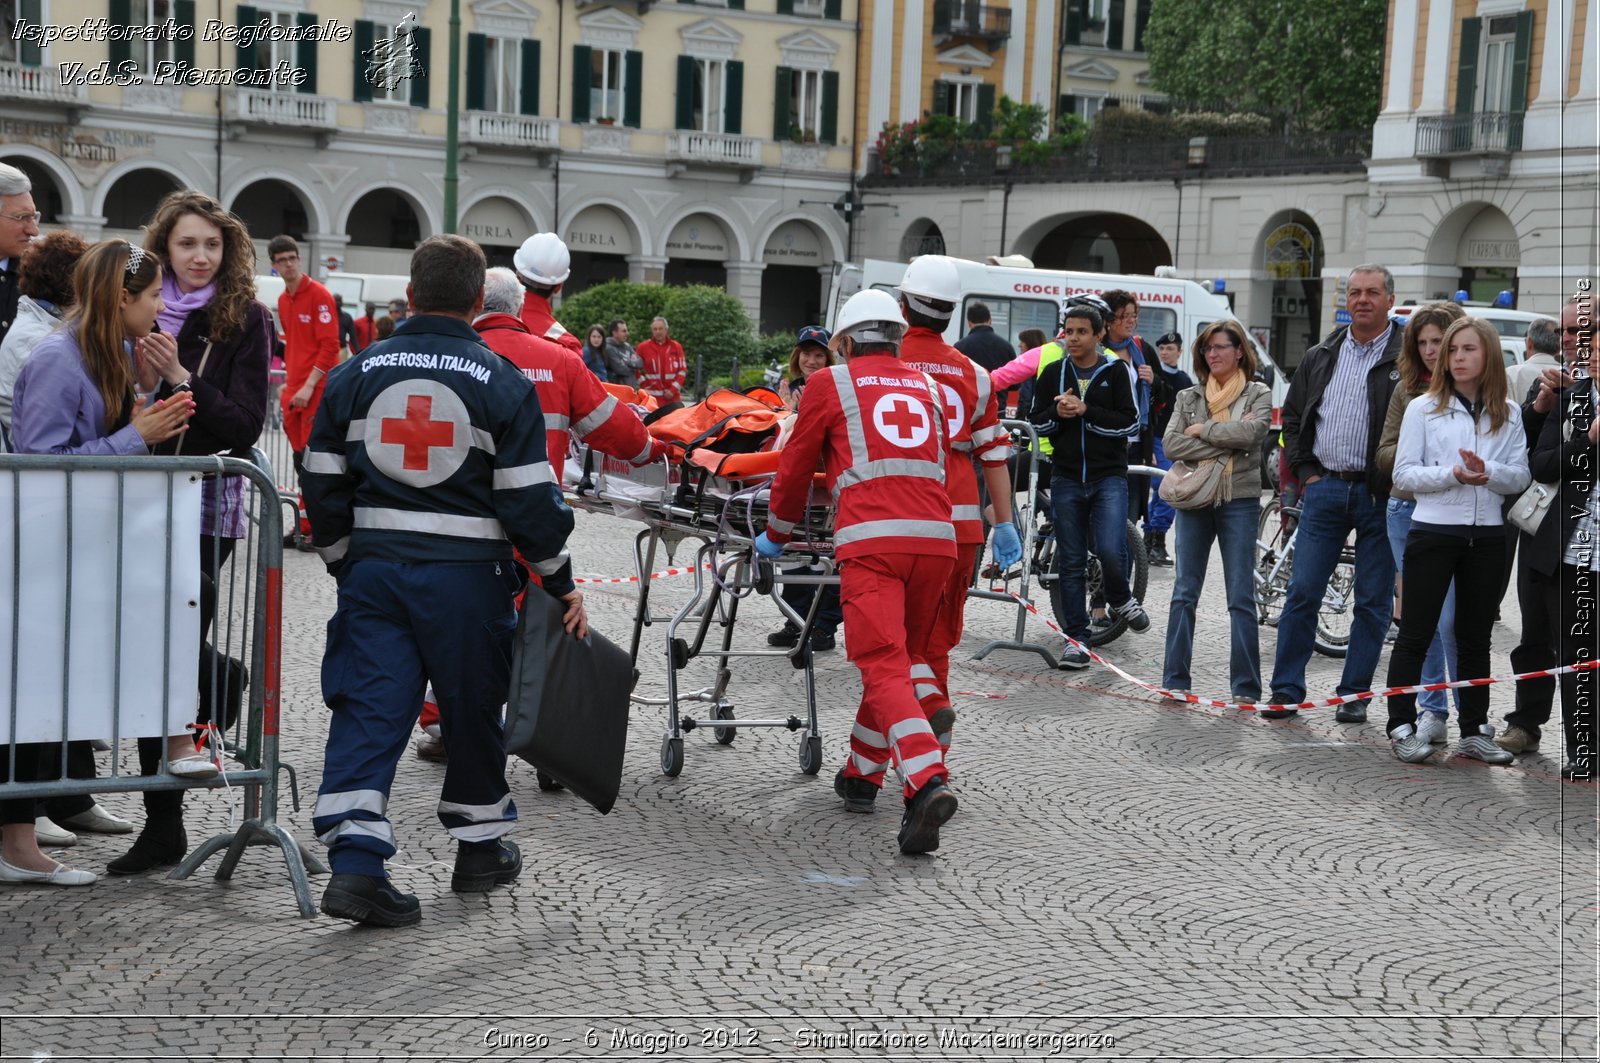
(542, 323)
(876, 425)
(664, 369)
(570, 396)
(972, 423)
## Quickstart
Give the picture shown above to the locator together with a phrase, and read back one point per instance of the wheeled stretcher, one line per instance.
(720, 502)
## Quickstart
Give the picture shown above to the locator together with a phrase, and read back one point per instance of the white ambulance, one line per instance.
(1019, 298)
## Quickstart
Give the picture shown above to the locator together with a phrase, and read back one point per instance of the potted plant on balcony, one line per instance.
(606, 119)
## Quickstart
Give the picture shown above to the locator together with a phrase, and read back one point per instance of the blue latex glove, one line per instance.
(1007, 545)
(767, 548)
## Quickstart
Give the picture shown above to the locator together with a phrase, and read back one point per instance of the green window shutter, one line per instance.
(1074, 22)
(736, 5)
(941, 97)
(1141, 22)
(633, 74)
(1067, 104)
(686, 71)
(985, 112)
(829, 134)
(785, 7)
(423, 38)
(121, 15)
(305, 53)
(362, 90)
(582, 81)
(1467, 67)
(247, 16)
(832, 9)
(1114, 15)
(30, 53)
(477, 70)
(1520, 54)
(941, 18)
(733, 102)
(782, 90)
(529, 89)
(182, 14)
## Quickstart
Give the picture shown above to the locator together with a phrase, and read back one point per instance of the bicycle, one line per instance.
(1276, 532)
(1044, 565)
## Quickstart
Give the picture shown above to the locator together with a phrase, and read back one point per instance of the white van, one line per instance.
(359, 289)
(1019, 298)
(1512, 325)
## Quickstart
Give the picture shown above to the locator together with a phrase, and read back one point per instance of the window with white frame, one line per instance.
(502, 75)
(805, 104)
(1499, 52)
(961, 100)
(810, 8)
(148, 53)
(607, 84)
(710, 89)
(269, 52)
(1087, 106)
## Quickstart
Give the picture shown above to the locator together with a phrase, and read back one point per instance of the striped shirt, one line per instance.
(1341, 440)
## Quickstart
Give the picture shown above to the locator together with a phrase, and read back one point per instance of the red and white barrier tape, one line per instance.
(663, 574)
(1195, 699)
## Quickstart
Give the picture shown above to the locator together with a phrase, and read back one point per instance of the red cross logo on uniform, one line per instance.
(418, 432)
(901, 420)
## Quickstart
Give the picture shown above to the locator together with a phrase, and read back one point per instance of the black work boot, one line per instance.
(369, 899)
(161, 843)
(1155, 545)
(480, 868)
(929, 809)
(858, 793)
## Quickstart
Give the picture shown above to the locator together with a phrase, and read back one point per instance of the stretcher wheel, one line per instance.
(763, 577)
(680, 653)
(671, 757)
(811, 755)
(724, 735)
(547, 783)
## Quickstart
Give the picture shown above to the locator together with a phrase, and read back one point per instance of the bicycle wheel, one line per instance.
(1138, 577)
(1273, 565)
(1337, 613)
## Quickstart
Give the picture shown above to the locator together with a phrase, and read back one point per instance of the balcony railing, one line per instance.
(511, 130)
(976, 164)
(718, 149)
(970, 18)
(269, 107)
(1485, 133)
(21, 81)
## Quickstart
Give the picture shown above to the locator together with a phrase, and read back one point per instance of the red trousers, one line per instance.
(934, 689)
(297, 421)
(890, 604)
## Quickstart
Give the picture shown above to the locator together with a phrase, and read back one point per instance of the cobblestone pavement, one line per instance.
(1125, 879)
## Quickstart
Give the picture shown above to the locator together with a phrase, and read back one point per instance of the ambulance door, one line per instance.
(845, 282)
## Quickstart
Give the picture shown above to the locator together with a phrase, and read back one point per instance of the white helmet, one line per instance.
(543, 259)
(870, 316)
(931, 277)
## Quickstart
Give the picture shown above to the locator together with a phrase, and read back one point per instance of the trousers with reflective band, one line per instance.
(949, 620)
(889, 604)
(385, 642)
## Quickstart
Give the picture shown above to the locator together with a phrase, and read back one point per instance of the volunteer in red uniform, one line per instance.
(543, 265)
(664, 365)
(878, 429)
(928, 296)
(573, 401)
(310, 342)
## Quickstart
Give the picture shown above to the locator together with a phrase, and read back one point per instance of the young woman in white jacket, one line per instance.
(1461, 451)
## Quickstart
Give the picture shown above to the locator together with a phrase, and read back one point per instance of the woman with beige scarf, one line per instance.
(1225, 418)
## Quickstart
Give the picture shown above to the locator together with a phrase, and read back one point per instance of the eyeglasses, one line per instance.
(32, 216)
(1218, 348)
(281, 259)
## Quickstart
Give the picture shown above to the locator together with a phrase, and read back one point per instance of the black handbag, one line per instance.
(229, 677)
(567, 712)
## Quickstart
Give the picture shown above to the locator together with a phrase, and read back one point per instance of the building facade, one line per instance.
(681, 142)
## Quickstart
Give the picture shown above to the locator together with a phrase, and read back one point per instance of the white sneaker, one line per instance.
(1431, 728)
(50, 835)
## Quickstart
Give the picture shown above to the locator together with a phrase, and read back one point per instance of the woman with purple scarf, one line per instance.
(223, 339)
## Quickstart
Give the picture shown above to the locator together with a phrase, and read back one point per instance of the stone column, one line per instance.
(89, 226)
(315, 249)
(744, 284)
(646, 269)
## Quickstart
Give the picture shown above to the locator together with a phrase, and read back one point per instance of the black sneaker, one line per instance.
(1579, 769)
(1277, 714)
(1073, 659)
(371, 900)
(787, 636)
(821, 641)
(858, 794)
(480, 868)
(1134, 614)
(942, 721)
(929, 809)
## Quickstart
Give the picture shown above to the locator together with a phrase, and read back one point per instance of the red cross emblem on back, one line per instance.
(904, 418)
(418, 432)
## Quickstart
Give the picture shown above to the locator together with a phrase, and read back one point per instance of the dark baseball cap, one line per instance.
(813, 334)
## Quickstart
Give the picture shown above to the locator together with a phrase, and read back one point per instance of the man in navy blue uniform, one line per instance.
(426, 464)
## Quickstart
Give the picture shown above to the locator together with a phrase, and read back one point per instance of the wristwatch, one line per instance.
(185, 386)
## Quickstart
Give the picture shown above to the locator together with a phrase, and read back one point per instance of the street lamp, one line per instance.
(1002, 166)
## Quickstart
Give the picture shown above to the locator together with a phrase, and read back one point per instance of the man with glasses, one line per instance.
(19, 224)
(310, 323)
(1332, 420)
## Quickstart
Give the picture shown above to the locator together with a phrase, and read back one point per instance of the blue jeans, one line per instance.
(1159, 518)
(1097, 509)
(1329, 510)
(1233, 527)
(1440, 663)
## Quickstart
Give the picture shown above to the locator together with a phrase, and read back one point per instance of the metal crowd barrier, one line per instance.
(82, 543)
(1026, 440)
